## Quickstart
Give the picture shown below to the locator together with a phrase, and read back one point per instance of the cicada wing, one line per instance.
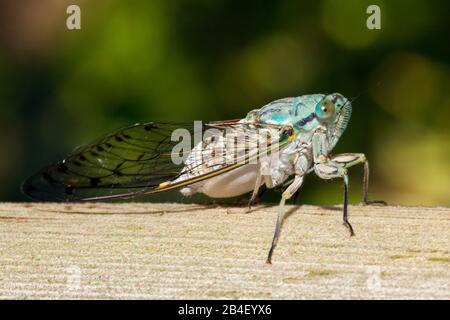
(121, 164)
(136, 160)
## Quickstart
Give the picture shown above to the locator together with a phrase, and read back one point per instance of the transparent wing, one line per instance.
(133, 161)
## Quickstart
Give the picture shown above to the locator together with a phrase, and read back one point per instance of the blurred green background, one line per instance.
(184, 60)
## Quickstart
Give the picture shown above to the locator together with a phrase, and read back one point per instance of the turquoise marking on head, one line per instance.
(276, 112)
(279, 118)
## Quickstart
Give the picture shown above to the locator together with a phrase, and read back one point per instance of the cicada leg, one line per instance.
(255, 192)
(348, 160)
(336, 167)
(264, 173)
(345, 213)
(330, 170)
(287, 194)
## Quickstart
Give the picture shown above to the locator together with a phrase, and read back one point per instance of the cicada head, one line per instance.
(331, 111)
(342, 113)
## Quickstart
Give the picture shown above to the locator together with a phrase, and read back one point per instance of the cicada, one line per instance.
(274, 146)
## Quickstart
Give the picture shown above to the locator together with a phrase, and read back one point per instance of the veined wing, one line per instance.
(133, 161)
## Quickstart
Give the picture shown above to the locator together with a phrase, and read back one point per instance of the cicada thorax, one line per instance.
(276, 113)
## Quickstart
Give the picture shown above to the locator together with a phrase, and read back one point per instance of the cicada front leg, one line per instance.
(336, 167)
(330, 170)
(349, 160)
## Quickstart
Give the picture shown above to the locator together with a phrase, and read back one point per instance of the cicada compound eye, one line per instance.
(324, 109)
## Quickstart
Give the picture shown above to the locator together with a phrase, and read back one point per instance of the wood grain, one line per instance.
(157, 251)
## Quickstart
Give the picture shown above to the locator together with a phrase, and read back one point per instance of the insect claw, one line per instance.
(350, 228)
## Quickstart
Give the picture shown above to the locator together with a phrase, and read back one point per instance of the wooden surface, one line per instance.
(192, 251)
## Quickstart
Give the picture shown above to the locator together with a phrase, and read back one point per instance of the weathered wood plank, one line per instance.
(192, 251)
